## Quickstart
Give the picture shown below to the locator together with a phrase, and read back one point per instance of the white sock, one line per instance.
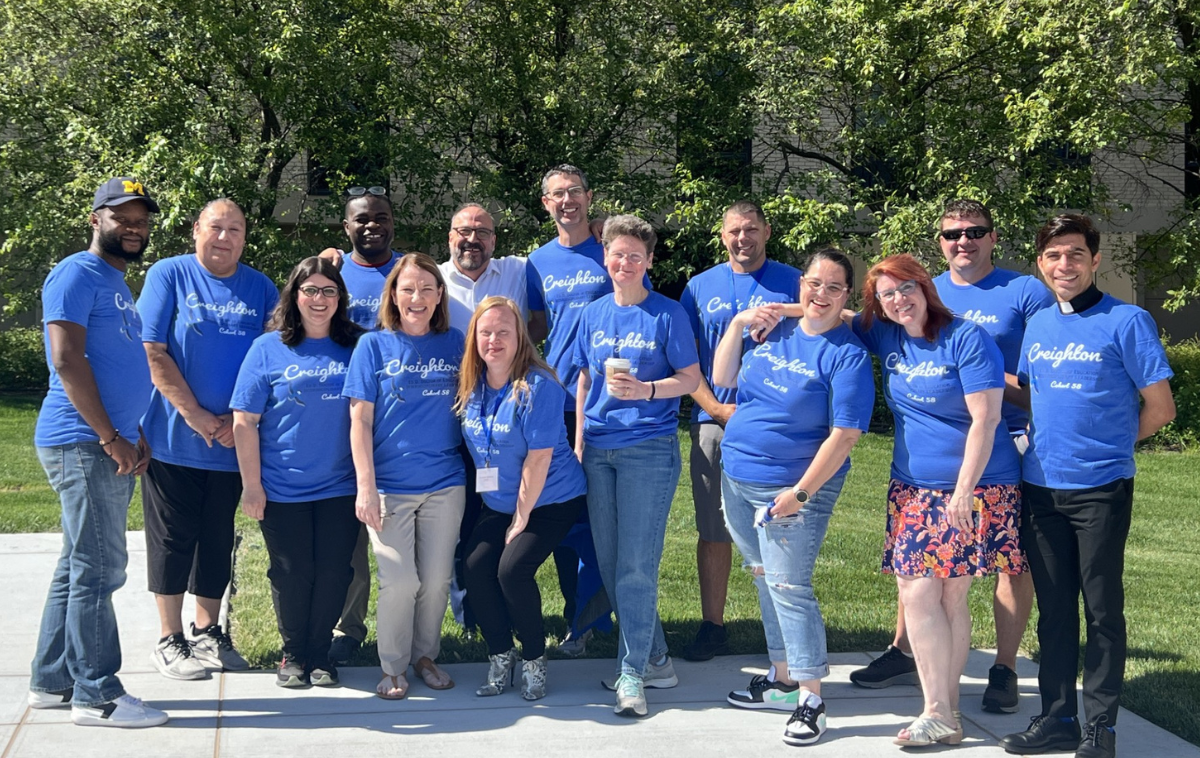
(811, 699)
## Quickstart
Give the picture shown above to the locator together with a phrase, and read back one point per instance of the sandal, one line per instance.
(392, 687)
(435, 678)
(926, 731)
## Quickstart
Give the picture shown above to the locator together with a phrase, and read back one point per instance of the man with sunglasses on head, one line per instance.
(562, 277)
(1001, 302)
(371, 229)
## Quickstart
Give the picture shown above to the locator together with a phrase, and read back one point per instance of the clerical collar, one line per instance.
(1082, 301)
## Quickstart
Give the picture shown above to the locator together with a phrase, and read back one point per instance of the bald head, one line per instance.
(472, 239)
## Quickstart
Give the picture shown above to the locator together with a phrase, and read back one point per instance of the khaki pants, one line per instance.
(414, 552)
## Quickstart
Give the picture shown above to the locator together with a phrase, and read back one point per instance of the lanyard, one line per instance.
(487, 456)
(755, 276)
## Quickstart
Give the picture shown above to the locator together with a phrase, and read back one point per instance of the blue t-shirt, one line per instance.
(83, 289)
(365, 287)
(411, 381)
(925, 384)
(562, 281)
(304, 428)
(518, 425)
(1085, 371)
(1001, 303)
(655, 337)
(207, 323)
(792, 389)
(714, 297)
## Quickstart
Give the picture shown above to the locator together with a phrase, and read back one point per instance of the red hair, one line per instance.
(905, 268)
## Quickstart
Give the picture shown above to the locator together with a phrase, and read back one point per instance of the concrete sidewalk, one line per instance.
(245, 714)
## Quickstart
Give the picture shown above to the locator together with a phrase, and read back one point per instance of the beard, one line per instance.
(465, 257)
(110, 244)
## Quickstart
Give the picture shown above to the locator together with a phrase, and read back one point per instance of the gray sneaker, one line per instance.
(572, 646)
(213, 647)
(658, 677)
(174, 659)
(631, 696)
(55, 699)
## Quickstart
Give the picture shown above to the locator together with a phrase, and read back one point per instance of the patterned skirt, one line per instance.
(920, 543)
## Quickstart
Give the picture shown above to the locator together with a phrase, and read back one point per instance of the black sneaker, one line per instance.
(710, 640)
(325, 675)
(806, 725)
(342, 649)
(1099, 741)
(1001, 694)
(1045, 733)
(893, 667)
(292, 675)
(763, 692)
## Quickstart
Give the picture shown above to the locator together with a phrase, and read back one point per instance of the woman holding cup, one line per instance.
(637, 356)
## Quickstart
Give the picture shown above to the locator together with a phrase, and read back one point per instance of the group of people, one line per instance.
(383, 399)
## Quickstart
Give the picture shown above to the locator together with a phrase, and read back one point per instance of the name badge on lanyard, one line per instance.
(487, 479)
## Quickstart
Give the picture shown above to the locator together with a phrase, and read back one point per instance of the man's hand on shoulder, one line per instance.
(333, 255)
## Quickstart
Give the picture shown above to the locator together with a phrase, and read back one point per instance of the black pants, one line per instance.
(310, 546)
(566, 560)
(501, 578)
(189, 528)
(1075, 541)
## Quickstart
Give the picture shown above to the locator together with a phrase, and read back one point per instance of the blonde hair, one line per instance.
(389, 312)
(525, 360)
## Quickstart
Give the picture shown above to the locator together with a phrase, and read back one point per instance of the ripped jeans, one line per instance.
(781, 556)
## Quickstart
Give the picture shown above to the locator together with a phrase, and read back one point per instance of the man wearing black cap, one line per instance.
(90, 444)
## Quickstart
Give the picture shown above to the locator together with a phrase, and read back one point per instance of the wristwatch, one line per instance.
(801, 495)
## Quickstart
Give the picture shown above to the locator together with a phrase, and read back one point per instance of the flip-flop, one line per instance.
(435, 678)
(392, 687)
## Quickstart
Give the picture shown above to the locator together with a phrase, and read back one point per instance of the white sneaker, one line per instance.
(126, 712)
(174, 659)
(214, 649)
(58, 699)
(631, 697)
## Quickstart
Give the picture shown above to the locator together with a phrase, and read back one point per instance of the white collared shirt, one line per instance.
(503, 276)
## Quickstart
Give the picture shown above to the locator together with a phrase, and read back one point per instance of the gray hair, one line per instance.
(564, 169)
(629, 226)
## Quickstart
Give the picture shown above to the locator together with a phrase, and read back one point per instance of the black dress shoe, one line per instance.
(1044, 734)
(1098, 740)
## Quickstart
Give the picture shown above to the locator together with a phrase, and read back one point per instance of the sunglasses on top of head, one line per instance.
(377, 191)
(972, 232)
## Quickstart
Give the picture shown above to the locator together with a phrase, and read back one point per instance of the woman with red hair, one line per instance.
(953, 497)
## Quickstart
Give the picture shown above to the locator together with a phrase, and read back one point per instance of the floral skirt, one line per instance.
(919, 541)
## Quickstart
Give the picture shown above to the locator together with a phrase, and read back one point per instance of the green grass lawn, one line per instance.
(1163, 606)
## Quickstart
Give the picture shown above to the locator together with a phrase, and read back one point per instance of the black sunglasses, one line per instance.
(972, 232)
(360, 191)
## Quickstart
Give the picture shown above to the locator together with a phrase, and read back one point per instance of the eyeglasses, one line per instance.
(360, 191)
(972, 232)
(829, 288)
(559, 195)
(466, 231)
(635, 259)
(309, 290)
(905, 289)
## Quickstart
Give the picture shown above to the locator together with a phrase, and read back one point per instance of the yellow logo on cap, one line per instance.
(135, 187)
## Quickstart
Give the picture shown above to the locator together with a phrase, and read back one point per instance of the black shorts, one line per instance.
(189, 528)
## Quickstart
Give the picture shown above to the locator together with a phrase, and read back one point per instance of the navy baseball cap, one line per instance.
(121, 190)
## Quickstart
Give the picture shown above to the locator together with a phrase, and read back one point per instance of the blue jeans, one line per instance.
(786, 549)
(629, 496)
(78, 644)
